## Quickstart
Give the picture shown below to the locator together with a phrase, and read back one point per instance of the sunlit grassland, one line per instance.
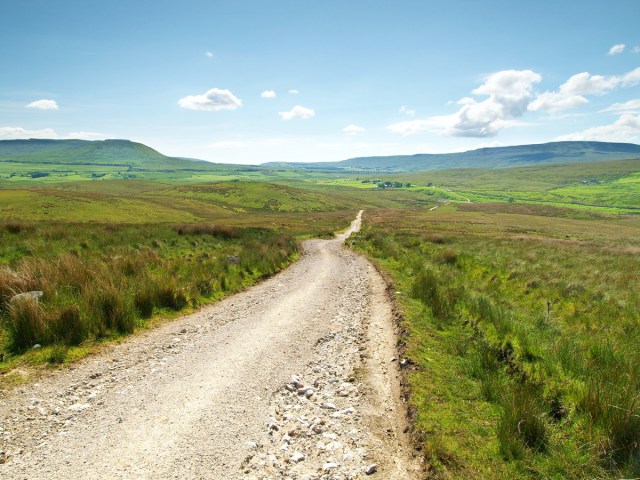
(102, 281)
(609, 187)
(521, 328)
(111, 255)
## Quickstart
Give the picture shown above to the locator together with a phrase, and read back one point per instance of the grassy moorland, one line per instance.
(101, 281)
(521, 330)
(111, 256)
(612, 187)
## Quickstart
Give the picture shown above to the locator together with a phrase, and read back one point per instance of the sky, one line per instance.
(242, 81)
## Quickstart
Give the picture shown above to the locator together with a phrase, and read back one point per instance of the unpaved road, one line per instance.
(293, 378)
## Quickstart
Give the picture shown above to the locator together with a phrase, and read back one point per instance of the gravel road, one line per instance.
(294, 378)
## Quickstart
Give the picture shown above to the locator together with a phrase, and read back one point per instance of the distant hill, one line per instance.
(113, 153)
(499, 157)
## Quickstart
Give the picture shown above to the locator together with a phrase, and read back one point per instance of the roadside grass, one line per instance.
(102, 281)
(521, 332)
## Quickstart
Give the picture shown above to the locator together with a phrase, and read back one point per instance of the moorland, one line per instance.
(516, 286)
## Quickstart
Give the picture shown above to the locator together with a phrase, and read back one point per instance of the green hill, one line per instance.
(499, 157)
(121, 153)
(23, 161)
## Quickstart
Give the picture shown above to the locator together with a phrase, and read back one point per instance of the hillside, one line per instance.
(122, 153)
(22, 161)
(499, 157)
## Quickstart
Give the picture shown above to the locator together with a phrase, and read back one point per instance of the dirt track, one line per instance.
(293, 378)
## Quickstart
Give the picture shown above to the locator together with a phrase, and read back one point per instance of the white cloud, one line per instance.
(625, 129)
(268, 94)
(293, 91)
(571, 93)
(553, 102)
(636, 49)
(626, 107)
(407, 111)
(208, 54)
(298, 112)
(353, 129)
(19, 133)
(617, 49)
(508, 92)
(43, 104)
(213, 100)
(631, 79)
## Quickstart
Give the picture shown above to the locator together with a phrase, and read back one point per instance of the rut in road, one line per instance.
(293, 378)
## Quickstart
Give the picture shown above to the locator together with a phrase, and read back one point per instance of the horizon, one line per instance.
(290, 82)
(320, 161)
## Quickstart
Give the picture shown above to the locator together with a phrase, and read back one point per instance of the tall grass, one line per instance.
(121, 274)
(550, 325)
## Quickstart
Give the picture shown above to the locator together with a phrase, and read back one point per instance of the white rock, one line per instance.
(327, 467)
(296, 457)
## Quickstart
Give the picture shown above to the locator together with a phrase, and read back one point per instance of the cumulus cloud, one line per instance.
(625, 129)
(407, 111)
(213, 100)
(617, 49)
(353, 129)
(571, 93)
(298, 112)
(293, 91)
(508, 93)
(268, 94)
(625, 107)
(43, 104)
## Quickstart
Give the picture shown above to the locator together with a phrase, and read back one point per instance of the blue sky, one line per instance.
(255, 81)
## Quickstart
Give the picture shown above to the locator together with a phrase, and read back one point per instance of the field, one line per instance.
(521, 328)
(516, 286)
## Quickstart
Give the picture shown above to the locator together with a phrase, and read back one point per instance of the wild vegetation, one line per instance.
(518, 293)
(521, 333)
(104, 280)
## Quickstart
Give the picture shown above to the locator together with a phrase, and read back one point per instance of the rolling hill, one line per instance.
(71, 160)
(499, 157)
(120, 153)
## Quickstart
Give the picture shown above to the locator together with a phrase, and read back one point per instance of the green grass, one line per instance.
(523, 329)
(106, 280)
